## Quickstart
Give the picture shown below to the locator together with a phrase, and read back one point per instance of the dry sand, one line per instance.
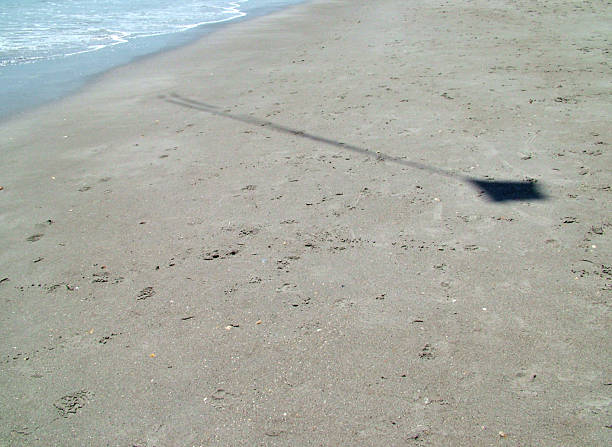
(296, 231)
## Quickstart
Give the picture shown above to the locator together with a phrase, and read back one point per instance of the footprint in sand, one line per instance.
(145, 293)
(45, 224)
(72, 403)
(427, 353)
(221, 398)
(108, 338)
(215, 254)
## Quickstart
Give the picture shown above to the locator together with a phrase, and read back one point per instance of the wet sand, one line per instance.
(347, 223)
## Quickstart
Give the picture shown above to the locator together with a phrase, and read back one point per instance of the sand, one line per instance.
(347, 223)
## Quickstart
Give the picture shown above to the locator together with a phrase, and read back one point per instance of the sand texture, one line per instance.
(350, 223)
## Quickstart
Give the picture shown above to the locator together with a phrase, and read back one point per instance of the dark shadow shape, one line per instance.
(214, 110)
(506, 191)
(496, 191)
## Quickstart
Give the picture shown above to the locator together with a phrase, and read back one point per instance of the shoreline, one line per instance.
(92, 67)
(343, 223)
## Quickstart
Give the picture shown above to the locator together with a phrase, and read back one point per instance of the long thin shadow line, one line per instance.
(214, 110)
(497, 191)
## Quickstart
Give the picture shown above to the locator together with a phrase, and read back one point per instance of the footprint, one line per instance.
(221, 398)
(215, 254)
(209, 256)
(145, 293)
(104, 277)
(525, 383)
(72, 403)
(107, 338)
(220, 394)
(417, 434)
(248, 231)
(286, 288)
(596, 405)
(46, 223)
(427, 352)
(297, 301)
(100, 277)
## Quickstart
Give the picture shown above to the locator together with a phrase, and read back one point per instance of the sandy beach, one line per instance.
(343, 224)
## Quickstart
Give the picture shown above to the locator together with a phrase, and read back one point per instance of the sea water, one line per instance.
(49, 48)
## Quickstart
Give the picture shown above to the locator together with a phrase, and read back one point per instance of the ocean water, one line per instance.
(50, 48)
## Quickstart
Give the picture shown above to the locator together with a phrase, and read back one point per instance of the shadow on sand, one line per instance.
(495, 191)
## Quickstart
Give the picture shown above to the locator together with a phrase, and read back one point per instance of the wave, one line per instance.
(34, 31)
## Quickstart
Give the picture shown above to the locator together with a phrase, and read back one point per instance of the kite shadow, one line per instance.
(493, 190)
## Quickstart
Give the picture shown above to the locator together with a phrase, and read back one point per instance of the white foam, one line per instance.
(34, 31)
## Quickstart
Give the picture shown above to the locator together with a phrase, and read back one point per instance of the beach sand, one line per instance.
(347, 223)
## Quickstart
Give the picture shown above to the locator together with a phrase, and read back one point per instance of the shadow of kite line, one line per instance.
(496, 191)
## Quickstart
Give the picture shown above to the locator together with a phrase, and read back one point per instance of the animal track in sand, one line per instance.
(45, 224)
(414, 244)
(239, 285)
(283, 264)
(108, 338)
(526, 383)
(145, 293)
(298, 300)
(104, 277)
(24, 356)
(427, 353)
(293, 298)
(248, 231)
(336, 239)
(216, 254)
(47, 287)
(598, 273)
(285, 288)
(71, 403)
(221, 398)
